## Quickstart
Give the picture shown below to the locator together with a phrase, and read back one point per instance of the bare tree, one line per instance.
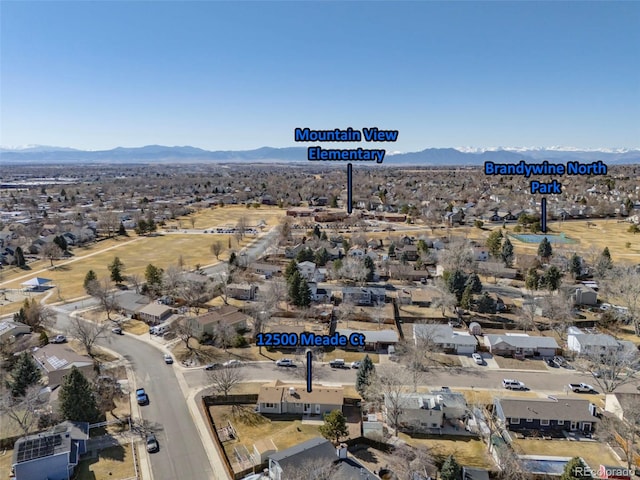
(52, 252)
(87, 332)
(409, 462)
(216, 249)
(444, 298)
(612, 368)
(558, 310)
(224, 379)
(457, 256)
(24, 410)
(185, 331)
(622, 283)
(353, 269)
(224, 334)
(136, 280)
(35, 314)
(388, 388)
(109, 221)
(104, 293)
(241, 228)
(195, 293)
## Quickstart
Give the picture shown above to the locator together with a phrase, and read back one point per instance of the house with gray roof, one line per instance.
(50, 455)
(427, 412)
(373, 339)
(547, 416)
(521, 345)
(56, 361)
(316, 455)
(10, 330)
(592, 343)
(444, 338)
(130, 303)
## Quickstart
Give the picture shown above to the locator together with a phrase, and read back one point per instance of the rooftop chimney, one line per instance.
(341, 450)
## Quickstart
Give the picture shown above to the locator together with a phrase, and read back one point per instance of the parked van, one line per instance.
(159, 329)
(337, 363)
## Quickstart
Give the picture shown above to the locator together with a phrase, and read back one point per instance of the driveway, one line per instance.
(489, 361)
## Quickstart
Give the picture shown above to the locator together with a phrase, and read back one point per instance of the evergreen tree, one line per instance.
(153, 277)
(532, 280)
(552, 278)
(365, 375)
(575, 469)
(451, 469)
(121, 230)
(151, 225)
(486, 304)
(324, 236)
(304, 294)
(334, 202)
(467, 297)
(371, 268)
(575, 265)
(456, 283)
(24, 374)
(141, 228)
(294, 287)
(233, 259)
(604, 263)
(292, 268)
(321, 257)
(422, 246)
(507, 253)
(544, 249)
(77, 398)
(89, 280)
(335, 426)
(474, 282)
(61, 242)
(305, 255)
(116, 268)
(392, 250)
(316, 231)
(20, 261)
(494, 243)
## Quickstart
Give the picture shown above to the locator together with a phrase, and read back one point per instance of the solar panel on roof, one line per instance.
(37, 448)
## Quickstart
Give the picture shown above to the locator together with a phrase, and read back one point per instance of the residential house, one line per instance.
(50, 455)
(155, 313)
(521, 345)
(364, 296)
(582, 295)
(310, 272)
(444, 338)
(408, 252)
(56, 360)
(319, 294)
(130, 303)
(374, 339)
(316, 455)
(427, 412)
(266, 269)
(550, 416)
(281, 398)
(595, 343)
(292, 252)
(242, 291)
(454, 217)
(9, 330)
(301, 212)
(207, 323)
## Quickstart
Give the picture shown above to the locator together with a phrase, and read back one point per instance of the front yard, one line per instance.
(113, 462)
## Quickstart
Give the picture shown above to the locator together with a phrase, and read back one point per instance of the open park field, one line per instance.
(229, 215)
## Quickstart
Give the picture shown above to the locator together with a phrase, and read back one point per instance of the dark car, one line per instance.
(551, 363)
(213, 366)
(152, 444)
(142, 397)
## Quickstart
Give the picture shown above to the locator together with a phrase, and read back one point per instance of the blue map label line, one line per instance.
(349, 188)
(543, 215)
(309, 367)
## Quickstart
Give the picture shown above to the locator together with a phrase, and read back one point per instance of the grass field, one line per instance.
(229, 215)
(114, 462)
(471, 452)
(594, 453)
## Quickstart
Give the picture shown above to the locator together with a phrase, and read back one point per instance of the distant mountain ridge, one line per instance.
(189, 154)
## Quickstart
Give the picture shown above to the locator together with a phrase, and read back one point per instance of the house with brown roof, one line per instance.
(242, 291)
(155, 313)
(229, 315)
(288, 398)
(56, 360)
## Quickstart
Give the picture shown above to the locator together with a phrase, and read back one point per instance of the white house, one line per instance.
(443, 336)
(591, 343)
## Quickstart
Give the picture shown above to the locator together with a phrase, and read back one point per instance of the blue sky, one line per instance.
(241, 75)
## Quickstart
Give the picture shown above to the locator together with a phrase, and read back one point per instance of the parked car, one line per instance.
(337, 363)
(581, 388)
(478, 358)
(213, 366)
(59, 339)
(152, 444)
(285, 362)
(511, 384)
(356, 364)
(142, 396)
(168, 359)
(232, 363)
(117, 330)
(551, 363)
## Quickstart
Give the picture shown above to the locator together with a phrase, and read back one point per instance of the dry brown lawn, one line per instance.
(528, 364)
(136, 327)
(113, 462)
(467, 451)
(6, 457)
(251, 427)
(594, 453)
(229, 215)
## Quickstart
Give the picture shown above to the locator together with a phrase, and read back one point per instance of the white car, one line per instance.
(284, 362)
(232, 363)
(59, 339)
(478, 358)
(356, 364)
(168, 359)
(511, 384)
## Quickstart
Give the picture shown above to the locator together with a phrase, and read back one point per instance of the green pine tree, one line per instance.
(121, 230)
(576, 469)
(507, 253)
(292, 267)
(304, 294)
(20, 261)
(24, 374)
(335, 426)
(544, 249)
(494, 243)
(456, 283)
(321, 257)
(467, 298)
(474, 282)
(365, 375)
(451, 469)
(294, 287)
(77, 398)
(89, 280)
(532, 280)
(371, 268)
(116, 267)
(575, 265)
(552, 278)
